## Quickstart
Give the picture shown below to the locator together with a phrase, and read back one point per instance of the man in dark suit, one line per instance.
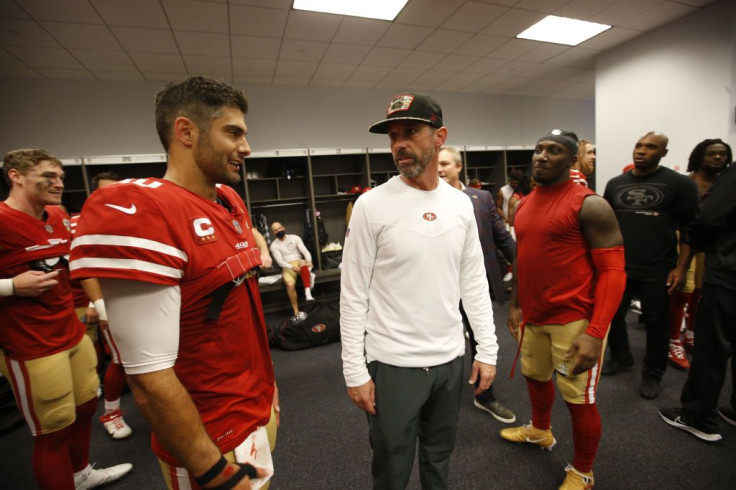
(493, 236)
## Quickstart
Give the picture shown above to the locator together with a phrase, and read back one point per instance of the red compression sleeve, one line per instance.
(609, 288)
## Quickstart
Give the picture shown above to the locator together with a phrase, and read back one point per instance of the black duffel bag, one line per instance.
(322, 326)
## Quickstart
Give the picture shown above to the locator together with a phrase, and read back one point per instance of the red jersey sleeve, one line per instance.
(123, 233)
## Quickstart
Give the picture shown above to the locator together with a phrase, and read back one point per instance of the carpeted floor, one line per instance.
(323, 441)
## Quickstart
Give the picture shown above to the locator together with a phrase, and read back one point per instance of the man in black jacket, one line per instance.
(714, 231)
(493, 237)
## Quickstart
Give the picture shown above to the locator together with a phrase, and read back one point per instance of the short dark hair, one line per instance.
(197, 98)
(696, 156)
(24, 160)
(516, 174)
(104, 176)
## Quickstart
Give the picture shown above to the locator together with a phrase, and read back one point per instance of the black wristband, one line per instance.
(210, 474)
(245, 470)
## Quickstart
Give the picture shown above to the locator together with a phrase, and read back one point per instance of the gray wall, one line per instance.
(88, 118)
(678, 80)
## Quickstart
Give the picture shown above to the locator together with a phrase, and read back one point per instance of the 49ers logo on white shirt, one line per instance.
(429, 216)
(204, 231)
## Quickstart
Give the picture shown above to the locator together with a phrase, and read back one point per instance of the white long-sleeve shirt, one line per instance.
(288, 250)
(409, 257)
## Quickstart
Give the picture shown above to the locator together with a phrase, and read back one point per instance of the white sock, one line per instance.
(308, 294)
(112, 406)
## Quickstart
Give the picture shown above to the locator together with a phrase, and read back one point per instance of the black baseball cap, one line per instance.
(415, 107)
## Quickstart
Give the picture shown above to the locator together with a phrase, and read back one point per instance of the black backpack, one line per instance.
(322, 326)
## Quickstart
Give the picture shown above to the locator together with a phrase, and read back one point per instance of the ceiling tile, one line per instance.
(429, 13)
(277, 4)
(326, 82)
(132, 13)
(391, 85)
(311, 26)
(145, 40)
(405, 36)
(253, 67)
(457, 62)
(359, 84)
(481, 45)
(334, 70)
(543, 52)
(81, 36)
(254, 21)
(255, 47)
(405, 75)
(345, 53)
(583, 9)
(576, 56)
(203, 43)
(421, 60)
(444, 41)
(434, 76)
(465, 77)
(512, 22)
(164, 76)
(104, 60)
(207, 64)
(624, 10)
(514, 48)
(659, 15)
(158, 62)
(486, 65)
(7, 60)
(19, 32)
(189, 15)
(19, 72)
(291, 80)
(66, 73)
(370, 73)
(285, 68)
(385, 56)
(609, 38)
(68, 10)
(302, 50)
(546, 6)
(514, 68)
(354, 30)
(45, 57)
(117, 75)
(10, 10)
(254, 80)
(473, 16)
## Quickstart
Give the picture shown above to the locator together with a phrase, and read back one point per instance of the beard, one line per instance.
(213, 164)
(415, 169)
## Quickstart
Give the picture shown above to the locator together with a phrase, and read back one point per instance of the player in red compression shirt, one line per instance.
(567, 285)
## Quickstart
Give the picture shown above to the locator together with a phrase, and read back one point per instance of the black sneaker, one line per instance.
(499, 411)
(615, 366)
(675, 418)
(650, 388)
(728, 414)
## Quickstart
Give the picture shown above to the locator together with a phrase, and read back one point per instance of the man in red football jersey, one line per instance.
(175, 258)
(45, 354)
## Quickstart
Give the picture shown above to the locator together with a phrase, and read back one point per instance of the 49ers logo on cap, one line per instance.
(400, 103)
(204, 231)
(429, 216)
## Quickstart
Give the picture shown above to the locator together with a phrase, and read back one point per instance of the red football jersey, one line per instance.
(154, 231)
(36, 327)
(555, 271)
(80, 297)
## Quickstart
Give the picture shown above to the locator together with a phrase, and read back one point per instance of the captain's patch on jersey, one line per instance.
(204, 231)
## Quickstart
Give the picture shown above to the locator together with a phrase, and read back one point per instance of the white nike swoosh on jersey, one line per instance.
(129, 210)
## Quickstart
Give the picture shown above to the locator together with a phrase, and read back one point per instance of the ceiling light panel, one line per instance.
(562, 30)
(372, 9)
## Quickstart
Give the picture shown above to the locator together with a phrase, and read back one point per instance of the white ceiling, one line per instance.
(433, 45)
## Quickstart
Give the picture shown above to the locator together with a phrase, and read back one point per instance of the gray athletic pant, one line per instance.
(414, 403)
